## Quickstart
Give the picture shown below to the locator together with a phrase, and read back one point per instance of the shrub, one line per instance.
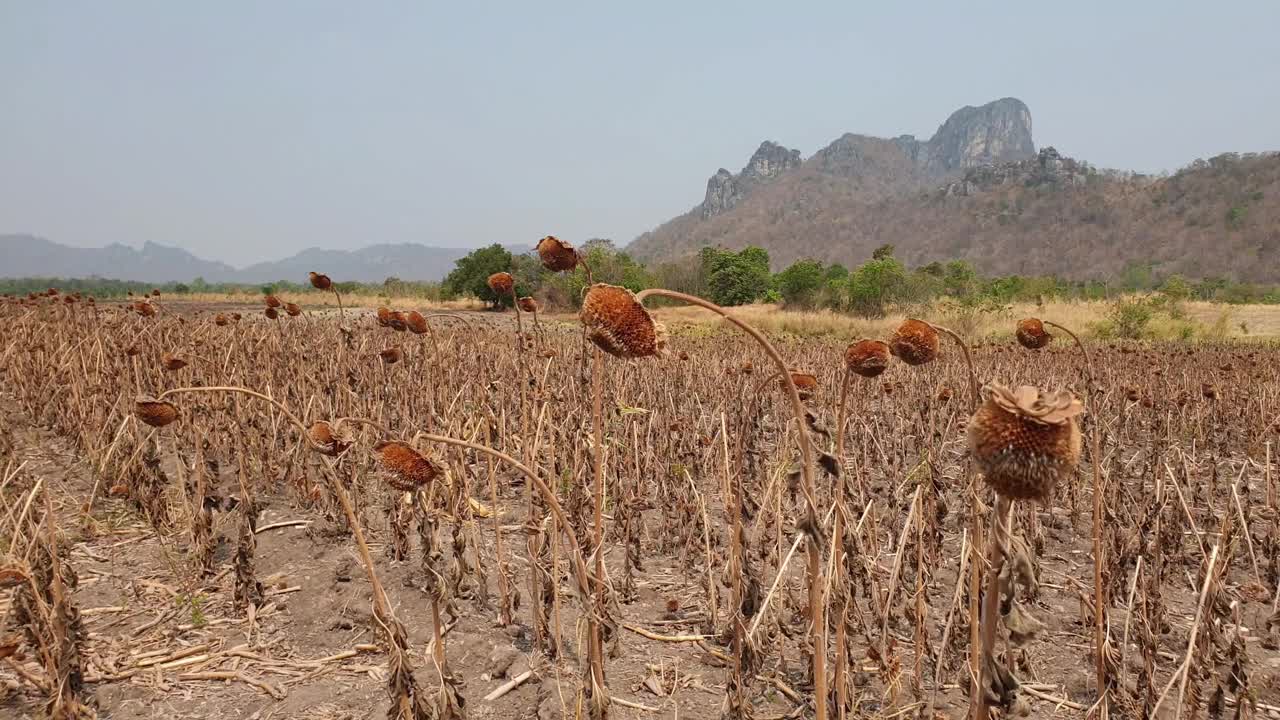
(1129, 318)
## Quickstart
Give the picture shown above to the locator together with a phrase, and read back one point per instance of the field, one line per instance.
(649, 543)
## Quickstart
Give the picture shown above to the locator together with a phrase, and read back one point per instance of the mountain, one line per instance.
(29, 256)
(978, 190)
(407, 261)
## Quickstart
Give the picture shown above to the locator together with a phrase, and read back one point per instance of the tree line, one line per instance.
(726, 277)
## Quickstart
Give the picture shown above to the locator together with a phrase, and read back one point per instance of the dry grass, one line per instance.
(1206, 320)
(313, 299)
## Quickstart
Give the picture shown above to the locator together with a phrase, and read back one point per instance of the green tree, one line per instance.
(960, 278)
(800, 283)
(1176, 288)
(738, 278)
(471, 276)
(875, 284)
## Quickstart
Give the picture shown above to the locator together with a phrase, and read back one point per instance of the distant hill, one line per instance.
(978, 190)
(29, 256)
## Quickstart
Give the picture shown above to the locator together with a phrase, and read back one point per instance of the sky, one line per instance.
(246, 131)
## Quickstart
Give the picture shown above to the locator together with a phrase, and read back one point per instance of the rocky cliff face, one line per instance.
(725, 190)
(998, 132)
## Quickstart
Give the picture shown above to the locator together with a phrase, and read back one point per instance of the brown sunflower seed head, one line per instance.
(391, 355)
(396, 322)
(320, 281)
(618, 324)
(556, 254)
(915, 342)
(271, 300)
(271, 313)
(11, 577)
(1031, 334)
(9, 645)
(502, 284)
(1025, 441)
(416, 322)
(156, 413)
(802, 380)
(867, 358)
(292, 309)
(406, 469)
(172, 362)
(330, 439)
(528, 304)
(384, 317)
(221, 320)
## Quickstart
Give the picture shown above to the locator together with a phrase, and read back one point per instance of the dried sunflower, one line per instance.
(556, 254)
(867, 358)
(155, 413)
(915, 342)
(1032, 335)
(1025, 440)
(407, 470)
(618, 324)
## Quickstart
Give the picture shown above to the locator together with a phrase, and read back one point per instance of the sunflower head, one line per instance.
(1025, 440)
(915, 342)
(618, 324)
(867, 358)
(557, 255)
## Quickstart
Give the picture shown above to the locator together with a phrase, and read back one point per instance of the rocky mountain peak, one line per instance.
(998, 132)
(725, 190)
(770, 160)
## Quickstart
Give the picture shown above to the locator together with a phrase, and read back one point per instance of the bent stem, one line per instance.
(974, 389)
(817, 605)
(579, 563)
(251, 393)
(1095, 452)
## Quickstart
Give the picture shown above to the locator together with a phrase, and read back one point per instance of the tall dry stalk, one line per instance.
(1101, 646)
(809, 524)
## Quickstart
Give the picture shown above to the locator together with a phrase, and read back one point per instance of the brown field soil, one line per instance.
(1189, 435)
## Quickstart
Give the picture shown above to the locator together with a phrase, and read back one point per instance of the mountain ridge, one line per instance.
(25, 255)
(979, 191)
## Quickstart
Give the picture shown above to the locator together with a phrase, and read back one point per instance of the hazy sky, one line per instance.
(246, 131)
